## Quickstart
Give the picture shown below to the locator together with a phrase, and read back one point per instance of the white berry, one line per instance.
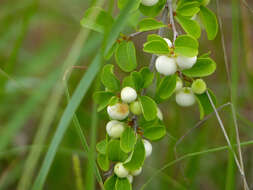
(159, 114)
(118, 111)
(166, 65)
(136, 172)
(185, 97)
(120, 170)
(149, 2)
(179, 84)
(128, 94)
(186, 62)
(148, 148)
(115, 128)
(168, 42)
(130, 178)
(199, 86)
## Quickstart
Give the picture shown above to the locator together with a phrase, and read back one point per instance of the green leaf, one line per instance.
(210, 22)
(127, 140)
(109, 79)
(156, 47)
(137, 80)
(155, 37)
(103, 162)
(154, 10)
(123, 3)
(190, 26)
(166, 87)
(114, 151)
(125, 56)
(205, 106)
(104, 19)
(123, 184)
(149, 108)
(127, 81)
(147, 76)
(202, 68)
(154, 132)
(148, 24)
(110, 183)
(101, 146)
(205, 55)
(137, 158)
(186, 45)
(102, 98)
(188, 8)
(113, 100)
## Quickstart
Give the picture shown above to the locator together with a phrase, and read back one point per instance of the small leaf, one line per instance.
(147, 76)
(137, 158)
(102, 98)
(103, 162)
(123, 3)
(166, 87)
(101, 146)
(114, 100)
(156, 47)
(103, 19)
(188, 8)
(186, 45)
(205, 106)
(137, 80)
(149, 108)
(125, 56)
(155, 37)
(190, 26)
(154, 10)
(210, 22)
(127, 140)
(123, 184)
(109, 79)
(202, 68)
(114, 151)
(154, 132)
(127, 81)
(110, 183)
(148, 24)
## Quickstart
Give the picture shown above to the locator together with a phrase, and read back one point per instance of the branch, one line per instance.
(175, 33)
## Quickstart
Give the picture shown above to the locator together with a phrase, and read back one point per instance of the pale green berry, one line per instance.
(136, 172)
(148, 148)
(115, 128)
(120, 170)
(179, 84)
(128, 94)
(135, 108)
(185, 97)
(118, 111)
(198, 86)
(149, 2)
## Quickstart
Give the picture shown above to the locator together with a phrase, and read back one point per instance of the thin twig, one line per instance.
(135, 34)
(247, 5)
(175, 34)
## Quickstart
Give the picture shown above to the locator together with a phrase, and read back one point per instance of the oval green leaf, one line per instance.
(127, 140)
(103, 162)
(156, 47)
(152, 10)
(102, 98)
(123, 184)
(109, 79)
(149, 108)
(155, 132)
(148, 24)
(186, 45)
(114, 151)
(110, 183)
(166, 87)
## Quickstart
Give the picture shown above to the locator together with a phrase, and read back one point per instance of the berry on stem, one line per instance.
(135, 108)
(120, 170)
(186, 62)
(118, 111)
(128, 95)
(148, 148)
(185, 97)
(198, 86)
(114, 128)
(149, 2)
(166, 65)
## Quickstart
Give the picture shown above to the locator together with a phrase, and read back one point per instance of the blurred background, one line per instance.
(36, 40)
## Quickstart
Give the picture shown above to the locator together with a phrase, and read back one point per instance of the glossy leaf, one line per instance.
(188, 8)
(123, 184)
(149, 108)
(156, 47)
(166, 87)
(102, 98)
(101, 147)
(127, 140)
(147, 76)
(154, 132)
(109, 79)
(110, 182)
(186, 45)
(103, 162)
(114, 151)
(148, 24)
(154, 10)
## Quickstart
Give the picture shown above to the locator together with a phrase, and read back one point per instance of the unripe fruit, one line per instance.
(130, 178)
(128, 94)
(186, 62)
(148, 148)
(136, 172)
(168, 42)
(166, 65)
(149, 2)
(120, 170)
(198, 86)
(185, 97)
(135, 108)
(179, 84)
(114, 128)
(118, 111)
(159, 114)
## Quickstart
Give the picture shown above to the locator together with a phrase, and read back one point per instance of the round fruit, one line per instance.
(198, 86)
(186, 62)
(128, 94)
(166, 65)
(149, 2)
(148, 148)
(179, 84)
(185, 97)
(135, 108)
(120, 170)
(118, 111)
(114, 128)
